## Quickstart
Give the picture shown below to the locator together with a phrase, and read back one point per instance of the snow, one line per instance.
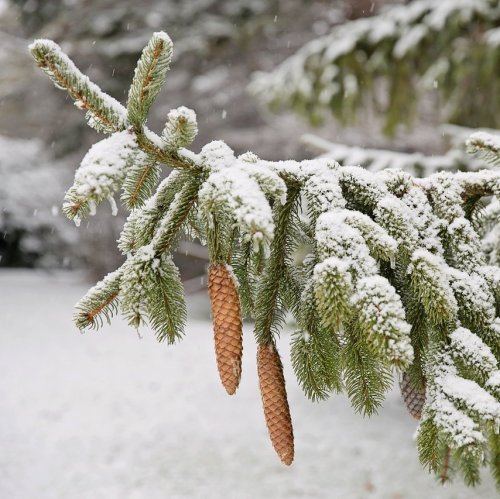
(480, 140)
(380, 309)
(181, 128)
(323, 191)
(103, 168)
(182, 113)
(427, 224)
(270, 183)
(477, 353)
(378, 240)
(217, 155)
(396, 217)
(492, 37)
(335, 238)
(472, 395)
(106, 415)
(237, 194)
(409, 40)
(462, 429)
(378, 159)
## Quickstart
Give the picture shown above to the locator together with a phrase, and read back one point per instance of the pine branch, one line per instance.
(140, 182)
(494, 457)
(165, 303)
(486, 145)
(180, 129)
(103, 112)
(176, 215)
(429, 284)
(315, 352)
(268, 286)
(153, 293)
(341, 71)
(366, 379)
(100, 175)
(430, 445)
(394, 276)
(149, 77)
(142, 222)
(99, 303)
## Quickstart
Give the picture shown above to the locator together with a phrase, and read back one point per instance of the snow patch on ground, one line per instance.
(108, 415)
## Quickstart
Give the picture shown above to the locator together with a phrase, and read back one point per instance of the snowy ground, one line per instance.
(107, 415)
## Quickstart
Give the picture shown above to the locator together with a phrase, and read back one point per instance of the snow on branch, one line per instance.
(338, 72)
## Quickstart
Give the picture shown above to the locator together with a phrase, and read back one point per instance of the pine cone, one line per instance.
(276, 410)
(414, 398)
(227, 325)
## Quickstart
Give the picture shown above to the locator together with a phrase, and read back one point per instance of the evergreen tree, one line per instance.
(450, 46)
(401, 277)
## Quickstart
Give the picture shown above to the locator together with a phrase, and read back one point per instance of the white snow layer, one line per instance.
(103, 167)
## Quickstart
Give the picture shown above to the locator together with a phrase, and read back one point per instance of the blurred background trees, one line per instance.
(218, 47)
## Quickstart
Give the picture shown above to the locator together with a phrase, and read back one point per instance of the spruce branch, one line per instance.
(268, 286)
(99, 303)
(101, 174)
(380, 317)
(103, 112)
(494, 456)
(149, 76)
(153, 293)
(180, 129)
(396, 272)
(486, 145)
(332, 291)
(430, 285)
(315, 351)
(140, 182)
(366, 378)
(141, 224)
(341, 71)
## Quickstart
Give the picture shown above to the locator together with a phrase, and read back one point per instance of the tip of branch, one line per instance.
(161, 35)
(45, 45)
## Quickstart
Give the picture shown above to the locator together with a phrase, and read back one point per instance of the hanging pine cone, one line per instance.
(274, 400)
(227, 325)
(414, 398)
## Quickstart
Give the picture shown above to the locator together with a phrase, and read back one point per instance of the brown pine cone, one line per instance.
(274, 400)
(413, 397)
(226, 317)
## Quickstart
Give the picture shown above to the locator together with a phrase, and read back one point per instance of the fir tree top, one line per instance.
(401, 274)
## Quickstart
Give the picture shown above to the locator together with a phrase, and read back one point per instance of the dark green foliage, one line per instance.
(165, 302)
(267, 314)
(149, 77)
(316, 363)
(468, 461)
(431, 447)
(315, 352)
(494, 457)
(140, 183)
(366, 379)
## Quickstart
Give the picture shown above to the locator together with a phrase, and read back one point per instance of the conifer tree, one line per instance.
(449, 46)
(401, 278)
